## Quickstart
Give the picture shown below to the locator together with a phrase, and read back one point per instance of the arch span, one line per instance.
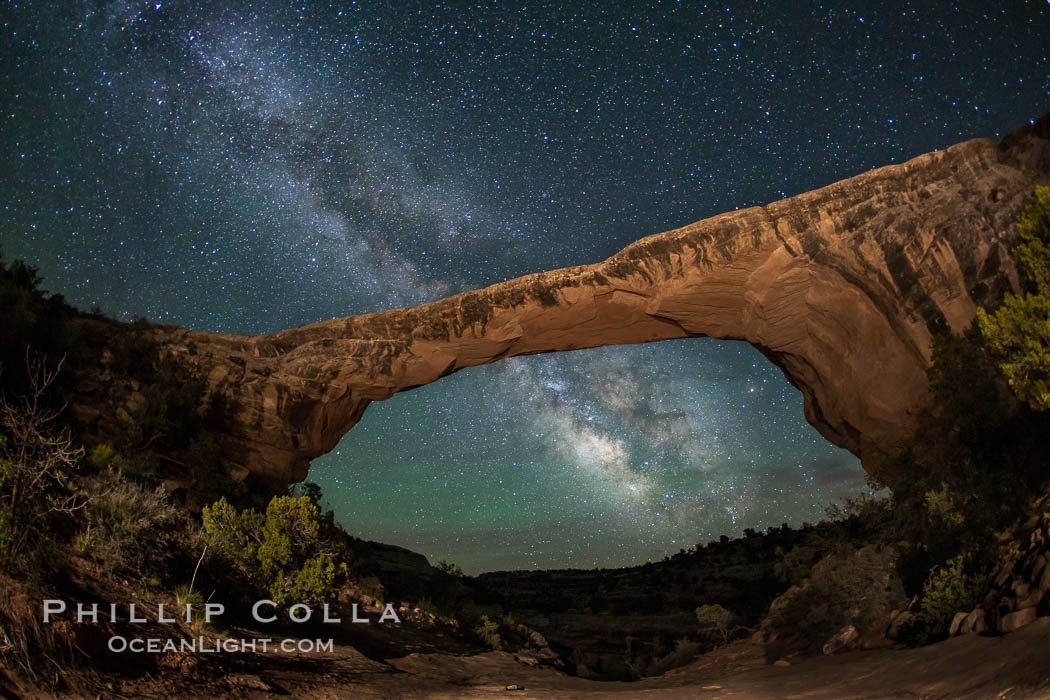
(842, 288)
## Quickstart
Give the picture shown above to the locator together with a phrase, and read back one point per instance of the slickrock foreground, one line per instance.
(843, 288)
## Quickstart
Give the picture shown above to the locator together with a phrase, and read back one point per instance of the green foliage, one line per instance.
(948, 590)
(279, 551)
(871, 506)
(1018, 338)
(977, 455)
(185, 595)
(1032, 252)
(865, 584)
(233, 536)
(941, 505)
(289, 531)
(1017, 335)
(171, 414)
(314, 582)
(488, 632)
(713, 617)
(972, 464)
(101, 455)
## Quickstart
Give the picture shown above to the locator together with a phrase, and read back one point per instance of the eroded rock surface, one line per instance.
(843, 288)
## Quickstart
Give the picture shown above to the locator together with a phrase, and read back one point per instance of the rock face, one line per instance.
(843, 288)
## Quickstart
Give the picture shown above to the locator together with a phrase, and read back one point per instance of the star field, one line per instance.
(248, 167)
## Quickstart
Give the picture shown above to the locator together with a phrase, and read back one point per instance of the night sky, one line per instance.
(248, 167)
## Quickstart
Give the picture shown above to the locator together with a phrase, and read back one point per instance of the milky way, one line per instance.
(251, 167)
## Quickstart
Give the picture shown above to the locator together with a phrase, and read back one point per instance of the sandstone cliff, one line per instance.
(843, 288)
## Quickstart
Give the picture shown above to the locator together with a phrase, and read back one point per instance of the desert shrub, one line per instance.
(1018, 337)
(948, 590)
(314, 582)
(101, 455)
(714, 618)
(942, 505)
(972, 465)
(1032, 252)
(289, 530)
(865, 516)
(488, 632)
(852, 588)
(797, 621)
(38, 468)
(132, 350)
(133, 528)
(186, 595)
(233, 536)
(1017, 334)
(279, 551)
(138, 469)
(865, 585)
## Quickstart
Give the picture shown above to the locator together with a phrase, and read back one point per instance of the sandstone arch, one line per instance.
(842, 287)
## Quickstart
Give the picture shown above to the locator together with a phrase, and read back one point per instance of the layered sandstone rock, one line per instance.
(843, 288)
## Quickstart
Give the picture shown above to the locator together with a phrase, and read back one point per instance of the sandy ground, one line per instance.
(1014, 666)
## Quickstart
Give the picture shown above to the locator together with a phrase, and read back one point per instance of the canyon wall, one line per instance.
(843, 288)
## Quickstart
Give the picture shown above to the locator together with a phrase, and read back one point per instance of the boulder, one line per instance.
(1037, 570)
(1016, 620)
(899, 623)
(875, 635)
(1034, 597)
(974, 622)
(1044, 579)
(845, 639)
(1020, 589)
(137, 404)
(954, 628)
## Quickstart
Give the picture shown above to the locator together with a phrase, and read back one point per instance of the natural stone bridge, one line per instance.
(843, 288)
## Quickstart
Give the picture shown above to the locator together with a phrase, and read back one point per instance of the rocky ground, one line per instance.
(1011, 666)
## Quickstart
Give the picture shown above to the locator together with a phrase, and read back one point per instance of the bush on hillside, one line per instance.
(280, 552)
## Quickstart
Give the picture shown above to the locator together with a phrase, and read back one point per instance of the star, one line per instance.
(249, 167)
